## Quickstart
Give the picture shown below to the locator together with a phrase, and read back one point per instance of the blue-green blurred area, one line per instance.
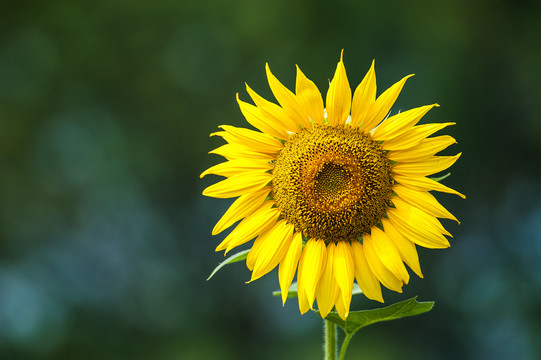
(105, 112)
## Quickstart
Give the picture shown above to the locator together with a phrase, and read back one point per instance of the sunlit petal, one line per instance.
(309, 98)
(364, 97)
(288, 265)
(339, 96)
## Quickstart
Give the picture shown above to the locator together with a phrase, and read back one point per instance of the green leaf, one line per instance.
(230, 260)
(292, 292)
(359, 319)
(438, 179)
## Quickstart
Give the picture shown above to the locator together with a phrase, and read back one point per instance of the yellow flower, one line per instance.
(340, 193)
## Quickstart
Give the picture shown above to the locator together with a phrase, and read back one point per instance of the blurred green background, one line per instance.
(105, 111)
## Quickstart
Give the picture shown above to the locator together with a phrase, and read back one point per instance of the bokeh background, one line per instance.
(105, 111)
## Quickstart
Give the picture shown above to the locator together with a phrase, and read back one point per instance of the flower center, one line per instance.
(332, 183)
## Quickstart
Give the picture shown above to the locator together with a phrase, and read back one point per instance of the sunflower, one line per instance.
(336, 194)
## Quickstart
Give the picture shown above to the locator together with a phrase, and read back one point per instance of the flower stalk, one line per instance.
(330, 334)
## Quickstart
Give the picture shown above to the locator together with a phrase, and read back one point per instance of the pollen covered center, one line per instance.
(332, 183)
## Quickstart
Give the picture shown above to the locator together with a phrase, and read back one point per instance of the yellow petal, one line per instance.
(381, 107)
(413, 224)
(264, 123)
(242, 207)
(364, 97)
(424, 201)
(255, 140)
(395, 125)
(403, 205)
(288, 265)
(367, 281)
(342, 311)
(425, 184)
(327, 290)
(275, 244)
(223, 245)
(237, 185)
(386, 277)
(309, 98)
(423, 168)
(255, 250)
(235, 152)
(425, 149)
(406, 248)
(413, 136)
(274, 112)
(234, 167)
(388, 254)
(339, 96)
(304, 305)
(257, 223)
(344, 272)
(286, 98)
(311, 267)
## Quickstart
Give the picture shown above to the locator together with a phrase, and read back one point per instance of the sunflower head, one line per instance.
(332, 182)
(336, 193)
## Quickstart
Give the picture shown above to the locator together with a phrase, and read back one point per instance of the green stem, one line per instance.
(330, 340)
(345, 346)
